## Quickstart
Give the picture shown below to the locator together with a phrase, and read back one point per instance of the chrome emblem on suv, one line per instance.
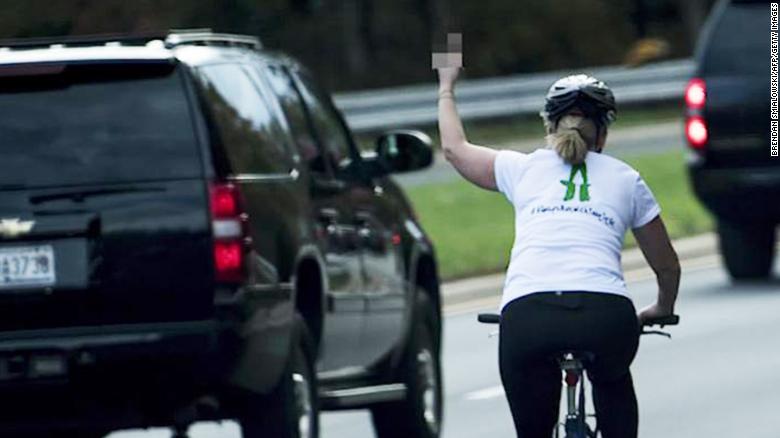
(15, 227)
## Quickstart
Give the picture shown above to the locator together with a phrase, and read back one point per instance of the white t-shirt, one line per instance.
(570, 221)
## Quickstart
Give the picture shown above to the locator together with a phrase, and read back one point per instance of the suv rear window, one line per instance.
(88, 123)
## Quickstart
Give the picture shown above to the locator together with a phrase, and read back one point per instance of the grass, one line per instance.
(500, 131)
(472, 229)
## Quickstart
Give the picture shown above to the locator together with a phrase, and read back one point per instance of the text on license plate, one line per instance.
(26, 266)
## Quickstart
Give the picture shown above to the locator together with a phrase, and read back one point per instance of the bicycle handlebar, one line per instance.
(494, 318)
(489, 318)
(662, 321)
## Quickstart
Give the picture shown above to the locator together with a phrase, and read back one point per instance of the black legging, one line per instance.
(536, 327)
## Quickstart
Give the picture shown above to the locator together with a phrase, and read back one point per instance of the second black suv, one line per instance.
(188, 232)
(728, 130)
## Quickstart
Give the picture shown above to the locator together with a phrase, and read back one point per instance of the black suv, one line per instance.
(727, 127)
(188, 232)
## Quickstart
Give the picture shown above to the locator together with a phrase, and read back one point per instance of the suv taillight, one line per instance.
(695, 94)
(696, 131)
(230, 234)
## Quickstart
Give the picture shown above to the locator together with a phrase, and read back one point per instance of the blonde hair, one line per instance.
(572, 137)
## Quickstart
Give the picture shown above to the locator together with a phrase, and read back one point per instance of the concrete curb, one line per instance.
(461, 291)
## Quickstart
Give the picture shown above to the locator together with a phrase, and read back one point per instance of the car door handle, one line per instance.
(329, 215)
(328, 186)
(329, 218)
(365, 233)
(364, 217)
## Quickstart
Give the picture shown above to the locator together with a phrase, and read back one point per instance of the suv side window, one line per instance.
(247, 127)
(327, 122)
(297, 120)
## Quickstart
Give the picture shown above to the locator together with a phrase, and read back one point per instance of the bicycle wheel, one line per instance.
(575, 428)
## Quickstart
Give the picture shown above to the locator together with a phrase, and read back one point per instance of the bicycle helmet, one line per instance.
(592, 96)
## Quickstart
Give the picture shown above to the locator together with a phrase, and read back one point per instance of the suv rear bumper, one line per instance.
(118, 376)
(190, 336)
(741, 195)
(65, 354)
(125, 376)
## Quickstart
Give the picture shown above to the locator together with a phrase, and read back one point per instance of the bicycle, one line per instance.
(572, 364)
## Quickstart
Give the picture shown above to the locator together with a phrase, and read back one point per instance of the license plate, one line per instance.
(27, 266)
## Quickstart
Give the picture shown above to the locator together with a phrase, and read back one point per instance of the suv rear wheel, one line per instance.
(292, 410)
(419, 414)
(747, 248)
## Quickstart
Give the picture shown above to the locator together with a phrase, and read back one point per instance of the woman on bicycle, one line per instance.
(564, 288)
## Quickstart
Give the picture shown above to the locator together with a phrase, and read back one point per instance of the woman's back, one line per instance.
(570, 220)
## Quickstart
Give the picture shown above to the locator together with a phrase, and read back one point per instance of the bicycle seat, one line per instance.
(583, 357)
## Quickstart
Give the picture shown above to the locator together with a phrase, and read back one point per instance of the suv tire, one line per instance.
(292, 409)
(747, 248)
(419, 414)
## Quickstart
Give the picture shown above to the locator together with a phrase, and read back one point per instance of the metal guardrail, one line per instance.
(506, 96)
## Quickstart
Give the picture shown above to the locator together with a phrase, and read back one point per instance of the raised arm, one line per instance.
(657, 249)
(475, 163)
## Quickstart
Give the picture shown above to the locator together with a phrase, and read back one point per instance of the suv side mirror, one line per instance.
(404, 151)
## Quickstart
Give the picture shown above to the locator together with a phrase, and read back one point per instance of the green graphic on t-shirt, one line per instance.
(571, 187)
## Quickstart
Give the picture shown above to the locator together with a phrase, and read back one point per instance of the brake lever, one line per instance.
(657, 332)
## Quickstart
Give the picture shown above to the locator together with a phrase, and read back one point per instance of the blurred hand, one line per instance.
(653, 311)
(447, 77)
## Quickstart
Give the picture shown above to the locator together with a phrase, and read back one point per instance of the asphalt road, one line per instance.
(717, 377)
(659, 137)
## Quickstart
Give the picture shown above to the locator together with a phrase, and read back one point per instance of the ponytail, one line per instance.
(572, 138)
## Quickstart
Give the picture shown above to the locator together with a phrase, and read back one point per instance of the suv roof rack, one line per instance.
(174, 38)
(206, 37)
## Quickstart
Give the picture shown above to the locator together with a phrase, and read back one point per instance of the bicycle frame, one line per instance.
(575, 424)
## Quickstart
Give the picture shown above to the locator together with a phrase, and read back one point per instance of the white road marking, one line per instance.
(484, 394)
